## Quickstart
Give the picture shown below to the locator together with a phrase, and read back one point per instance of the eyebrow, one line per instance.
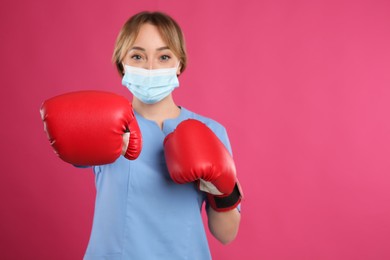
(142, 49)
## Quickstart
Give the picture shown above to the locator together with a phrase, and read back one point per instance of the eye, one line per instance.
(136, 57)
(165, 57)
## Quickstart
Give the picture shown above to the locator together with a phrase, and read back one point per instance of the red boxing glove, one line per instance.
(87, 127)
(194, 153)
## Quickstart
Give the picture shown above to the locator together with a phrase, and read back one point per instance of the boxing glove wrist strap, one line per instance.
(225, 203)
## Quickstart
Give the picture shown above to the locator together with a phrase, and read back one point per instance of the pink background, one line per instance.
(301, 86)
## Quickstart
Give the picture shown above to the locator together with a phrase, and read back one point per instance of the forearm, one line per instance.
(224, 225)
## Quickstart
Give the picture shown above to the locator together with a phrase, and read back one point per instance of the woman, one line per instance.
(140, 212)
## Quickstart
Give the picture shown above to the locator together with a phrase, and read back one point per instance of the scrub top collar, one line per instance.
(168, 124)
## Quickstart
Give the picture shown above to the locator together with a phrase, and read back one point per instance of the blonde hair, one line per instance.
(170, 32)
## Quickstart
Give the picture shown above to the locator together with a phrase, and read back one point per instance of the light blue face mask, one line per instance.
(150, 86)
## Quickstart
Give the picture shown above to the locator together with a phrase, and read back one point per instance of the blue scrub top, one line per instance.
(140, 213)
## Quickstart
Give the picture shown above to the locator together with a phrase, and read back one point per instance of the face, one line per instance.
(149, 51)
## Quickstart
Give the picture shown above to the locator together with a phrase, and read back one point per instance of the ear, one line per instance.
(122, 67)
(178, 71)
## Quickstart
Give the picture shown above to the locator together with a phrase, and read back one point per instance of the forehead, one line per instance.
(149, 36)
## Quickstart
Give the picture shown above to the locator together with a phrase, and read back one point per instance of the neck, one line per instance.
(158, 112)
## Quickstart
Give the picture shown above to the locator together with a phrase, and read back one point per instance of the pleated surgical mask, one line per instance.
(150, 86)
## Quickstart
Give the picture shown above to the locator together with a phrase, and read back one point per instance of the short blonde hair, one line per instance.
(170, 32)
